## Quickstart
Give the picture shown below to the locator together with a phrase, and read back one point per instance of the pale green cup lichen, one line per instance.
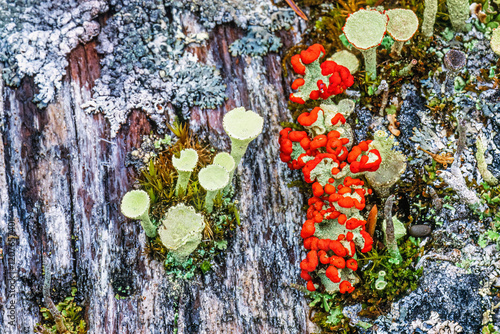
(135, 205)
(346, 59)
(402, 25)
(381, 283)
(212, 178)
(392, 166)
(184, 166)
(365, 30)
(430, 11)
(459, 13)
(242, 126)
(181, 230)
(495, 41)
(225, 160)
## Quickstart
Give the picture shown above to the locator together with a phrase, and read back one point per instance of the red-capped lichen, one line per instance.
(334, 226)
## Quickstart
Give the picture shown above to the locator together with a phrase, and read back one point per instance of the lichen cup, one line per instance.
(365, 30)
(181, 230)
(402, 25)
(135, 205)
(346, 59)
(242, 126)
(212, 178)
(225, 160)
(184, 166)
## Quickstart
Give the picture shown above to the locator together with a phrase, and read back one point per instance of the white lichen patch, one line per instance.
(37, 36)
(437, 326)
(260, 18)
(146, 67)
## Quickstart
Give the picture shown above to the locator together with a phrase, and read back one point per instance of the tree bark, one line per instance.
(61, 181)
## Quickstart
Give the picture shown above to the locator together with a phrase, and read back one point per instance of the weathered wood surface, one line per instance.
(61, 181)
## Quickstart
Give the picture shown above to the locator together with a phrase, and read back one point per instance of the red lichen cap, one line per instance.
(311, 164)
(324, 244)
(333, 274)
(310, 262)
(296, 99)
(297, 136)
(305, 275)
(363, 164)
(308, 229)
(297, 83)
(312, 53)
(338, 248)
(308, 243)
(329, 189)
(310, 286)
(323, 257)
(352, 264)
(318, 142)
(339, 118)
(368, 241)
(346, 286)
(317, 189)
(354, 223)
(297, 65)
(337, 261)
(308, 118)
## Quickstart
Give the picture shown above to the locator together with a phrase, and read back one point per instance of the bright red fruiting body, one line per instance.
(336, 78)
(345, 286)
(324, 155)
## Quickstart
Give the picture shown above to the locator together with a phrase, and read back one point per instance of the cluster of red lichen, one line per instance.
(342, 192)
(339, 76)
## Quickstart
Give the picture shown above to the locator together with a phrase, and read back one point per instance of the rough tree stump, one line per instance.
(61, 180)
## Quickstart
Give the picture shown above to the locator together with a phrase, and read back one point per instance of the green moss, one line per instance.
(159, 181)
(71, 312)
(400, 278)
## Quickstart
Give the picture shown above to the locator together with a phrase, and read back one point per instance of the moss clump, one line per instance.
(72, 315)
(159, 181)
(401, 278)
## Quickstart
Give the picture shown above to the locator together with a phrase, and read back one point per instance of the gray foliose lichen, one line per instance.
(260, 18)
(36, 37)
(145, 66)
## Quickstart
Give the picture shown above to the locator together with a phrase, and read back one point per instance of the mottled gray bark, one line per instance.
(61, 181)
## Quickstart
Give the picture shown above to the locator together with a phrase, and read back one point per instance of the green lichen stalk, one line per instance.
(397, 47)
(242, 126)
(365, 30)
(135, 205)
(212, 178)
(482, 165)
(459, 13)
(430, 11)
(370, 57)
(184, 166)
